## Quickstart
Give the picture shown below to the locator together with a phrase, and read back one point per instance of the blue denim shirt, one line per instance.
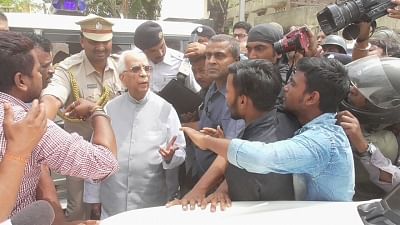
(319, 151)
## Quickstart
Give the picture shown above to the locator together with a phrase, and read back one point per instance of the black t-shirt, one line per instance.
(245, 186)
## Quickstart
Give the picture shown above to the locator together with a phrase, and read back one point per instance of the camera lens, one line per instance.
(278, 46)
(335, 17)
(291, 42)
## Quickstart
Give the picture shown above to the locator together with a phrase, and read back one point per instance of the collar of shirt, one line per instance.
(89, 67)
(167, 60)
(141, 101)
(265, 120)
(262, 122)
(213, 89)
(12, 100)
(323, 119)
(168, 57)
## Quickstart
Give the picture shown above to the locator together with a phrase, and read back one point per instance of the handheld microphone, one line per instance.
(37, 213)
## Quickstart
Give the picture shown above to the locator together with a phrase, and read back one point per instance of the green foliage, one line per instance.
(21, 5)
(218, 12)
(6, 3)
(137, 9)
(145, 9)
(104, 8)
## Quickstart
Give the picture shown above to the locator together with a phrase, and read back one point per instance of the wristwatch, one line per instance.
(370, 150)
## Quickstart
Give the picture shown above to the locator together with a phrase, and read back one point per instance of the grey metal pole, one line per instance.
(242, 4)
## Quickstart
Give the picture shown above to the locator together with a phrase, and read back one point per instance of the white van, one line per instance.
(62, 31)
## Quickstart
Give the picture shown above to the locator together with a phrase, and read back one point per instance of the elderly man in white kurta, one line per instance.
(144, 124)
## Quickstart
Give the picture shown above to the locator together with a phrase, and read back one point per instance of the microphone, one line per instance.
(37, 213)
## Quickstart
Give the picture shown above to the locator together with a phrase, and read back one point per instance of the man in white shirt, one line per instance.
(144, 125)
(166, 62)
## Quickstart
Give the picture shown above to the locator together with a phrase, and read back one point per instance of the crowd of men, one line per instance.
(304, 125)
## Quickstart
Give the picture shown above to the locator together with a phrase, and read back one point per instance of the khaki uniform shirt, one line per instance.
(90, 86)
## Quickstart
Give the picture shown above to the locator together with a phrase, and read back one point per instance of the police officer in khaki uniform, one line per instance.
(90, 74)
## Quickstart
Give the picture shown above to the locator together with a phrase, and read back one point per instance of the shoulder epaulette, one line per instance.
(71, 61)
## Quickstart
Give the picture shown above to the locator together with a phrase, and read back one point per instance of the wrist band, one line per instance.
(369, 151)
(96, 108)
(363, 49)
(99, 112)
(17, 158)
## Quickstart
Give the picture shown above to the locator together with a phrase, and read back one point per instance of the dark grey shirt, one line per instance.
(245, 186)
(214, 113)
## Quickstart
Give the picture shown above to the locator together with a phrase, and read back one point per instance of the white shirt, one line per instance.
(165, 71)
(144, 178)
(7, 222)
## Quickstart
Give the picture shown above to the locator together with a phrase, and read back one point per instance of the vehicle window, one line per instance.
(173, 43)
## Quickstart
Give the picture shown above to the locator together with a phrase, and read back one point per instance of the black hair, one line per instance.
(194, 60)
(40, 41)
(328, 77)
(242, 24)
(15, 56)
(259, 80)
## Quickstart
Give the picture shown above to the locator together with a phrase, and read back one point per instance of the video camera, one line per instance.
(294, 40)
(346, 14)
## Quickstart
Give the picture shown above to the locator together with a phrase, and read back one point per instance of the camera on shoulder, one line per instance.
(346, 14)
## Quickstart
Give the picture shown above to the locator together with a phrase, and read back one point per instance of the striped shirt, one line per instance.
(64, 153)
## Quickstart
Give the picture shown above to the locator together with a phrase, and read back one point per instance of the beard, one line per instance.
(234, 110)
(235, 116)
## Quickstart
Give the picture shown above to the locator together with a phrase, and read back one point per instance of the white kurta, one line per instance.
(141, 127)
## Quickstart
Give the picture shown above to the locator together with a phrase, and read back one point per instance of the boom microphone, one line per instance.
(37, 213)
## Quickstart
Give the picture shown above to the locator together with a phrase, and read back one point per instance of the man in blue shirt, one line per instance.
(252, 88)
(221, 51)
(320, 151)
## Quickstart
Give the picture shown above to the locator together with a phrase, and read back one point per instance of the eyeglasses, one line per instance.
(239, 35)
(138, 69)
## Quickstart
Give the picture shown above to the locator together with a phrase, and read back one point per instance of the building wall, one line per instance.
(289, 12)
(297, 16)
(284, 12)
